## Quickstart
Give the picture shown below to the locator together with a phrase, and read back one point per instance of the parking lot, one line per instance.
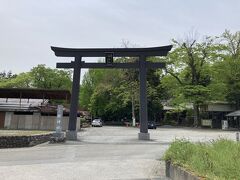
(100, 153)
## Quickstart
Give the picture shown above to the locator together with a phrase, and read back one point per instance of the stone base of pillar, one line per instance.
(143, 136)
(71, 135)
(58, 137)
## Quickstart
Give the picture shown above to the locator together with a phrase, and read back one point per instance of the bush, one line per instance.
(189, 118)
(216, 160)
(170, 118)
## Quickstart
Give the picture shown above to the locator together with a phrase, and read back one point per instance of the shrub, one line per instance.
(218, 159)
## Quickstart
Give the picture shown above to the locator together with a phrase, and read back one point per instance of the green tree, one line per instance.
(6, 75)
(189, 63)
(114, 94)
(47, 78)
(86, 91)
(130, 87)
(39, 77)
(227, 71)
(22, 80)
(155, 93)
(106, 100)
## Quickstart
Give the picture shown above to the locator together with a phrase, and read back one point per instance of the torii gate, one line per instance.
(109, 53)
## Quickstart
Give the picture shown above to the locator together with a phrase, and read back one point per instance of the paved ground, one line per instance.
(101, 153)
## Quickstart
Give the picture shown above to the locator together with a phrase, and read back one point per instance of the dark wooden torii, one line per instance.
(142, 65)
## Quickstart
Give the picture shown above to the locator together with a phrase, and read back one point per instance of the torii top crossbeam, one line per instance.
(118, 52)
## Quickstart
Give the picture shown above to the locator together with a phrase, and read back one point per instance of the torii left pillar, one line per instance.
(71, 134)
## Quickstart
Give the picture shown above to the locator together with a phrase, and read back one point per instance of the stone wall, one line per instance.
(23, 141)
(35, 122)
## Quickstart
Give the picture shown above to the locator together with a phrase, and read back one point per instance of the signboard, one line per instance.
(207, 122)
(224, 124)
(109, 58)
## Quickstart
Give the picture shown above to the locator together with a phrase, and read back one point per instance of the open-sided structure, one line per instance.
(29, 108)
(109, 53)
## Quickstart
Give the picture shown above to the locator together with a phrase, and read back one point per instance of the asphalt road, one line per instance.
(100, 153)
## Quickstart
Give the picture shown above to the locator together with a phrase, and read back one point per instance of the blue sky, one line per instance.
(28, 28)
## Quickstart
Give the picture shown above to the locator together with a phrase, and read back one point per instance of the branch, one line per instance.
(175, 76)
(204, 57)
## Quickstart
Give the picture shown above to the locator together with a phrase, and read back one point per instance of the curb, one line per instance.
(178, 173)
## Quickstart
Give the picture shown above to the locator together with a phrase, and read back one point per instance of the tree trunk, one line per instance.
(178, 118)
(197, 120)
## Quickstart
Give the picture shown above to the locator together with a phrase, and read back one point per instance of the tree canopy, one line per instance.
(40, 77)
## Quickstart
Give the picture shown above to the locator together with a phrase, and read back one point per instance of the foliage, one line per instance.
(216, 160)
(47, 78)
(101, 93)
(196, 93)
(22, 80)
(7, 75)
(114, 94)
(86, 90)
(231, 67)
(39, 77)
(190, 65)
(170, 118)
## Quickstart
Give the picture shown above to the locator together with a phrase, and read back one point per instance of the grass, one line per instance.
(218, 159)
(22, 132)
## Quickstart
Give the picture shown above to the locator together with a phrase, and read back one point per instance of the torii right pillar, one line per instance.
(143, 135)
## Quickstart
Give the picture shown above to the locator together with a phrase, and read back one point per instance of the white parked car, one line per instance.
(97, 123)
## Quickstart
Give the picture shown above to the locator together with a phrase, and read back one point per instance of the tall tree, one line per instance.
(22, 80)
(7, 75)
(228, 70)
(189, 64)
(86, 91)
(39, 77)
(47, 78)
(130, 84)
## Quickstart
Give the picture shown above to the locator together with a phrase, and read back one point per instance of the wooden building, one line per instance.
(32, 108)
(214, 113)
(233, 120)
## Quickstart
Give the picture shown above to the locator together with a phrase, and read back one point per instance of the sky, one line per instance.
(29, 27)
